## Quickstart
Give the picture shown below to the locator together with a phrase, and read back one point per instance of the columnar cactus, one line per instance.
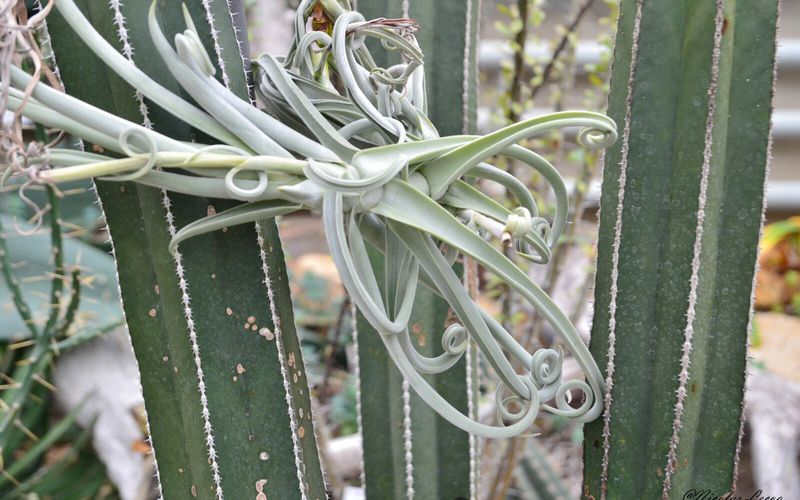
(681, 208)
(212, 328)
(428, 457)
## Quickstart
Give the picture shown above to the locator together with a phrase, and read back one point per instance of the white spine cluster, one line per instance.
(474, 441)
(359, 421)
(276, 321)
(612, 322)
(46, 44)
(215, 39)
(686, 358)
(240, 42)
(756, 268)
(187, 310)
(471, 282)
(127, 51)
(408, 441)
(110, 242)
(467, 67)
(408, 437)
(470, 266)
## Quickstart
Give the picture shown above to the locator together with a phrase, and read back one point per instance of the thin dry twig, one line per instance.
(562, 44)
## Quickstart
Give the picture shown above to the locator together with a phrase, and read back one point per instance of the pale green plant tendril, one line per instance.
(337, 134)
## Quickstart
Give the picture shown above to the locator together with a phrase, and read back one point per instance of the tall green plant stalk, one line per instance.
(427, 456)
(222, 372)
(681, 208)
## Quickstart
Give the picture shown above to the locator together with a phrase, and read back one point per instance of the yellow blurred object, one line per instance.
(778, 280)
(779, 344)
(780, 245)
(771, 289)
(142, 447)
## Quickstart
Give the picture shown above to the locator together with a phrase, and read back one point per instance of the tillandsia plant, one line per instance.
(372, 163)
(338, 134)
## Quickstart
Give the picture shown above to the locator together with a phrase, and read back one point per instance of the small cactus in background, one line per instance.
(56, 289)
(681, 208)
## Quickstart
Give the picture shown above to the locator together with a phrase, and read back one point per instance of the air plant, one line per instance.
(339, 135)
